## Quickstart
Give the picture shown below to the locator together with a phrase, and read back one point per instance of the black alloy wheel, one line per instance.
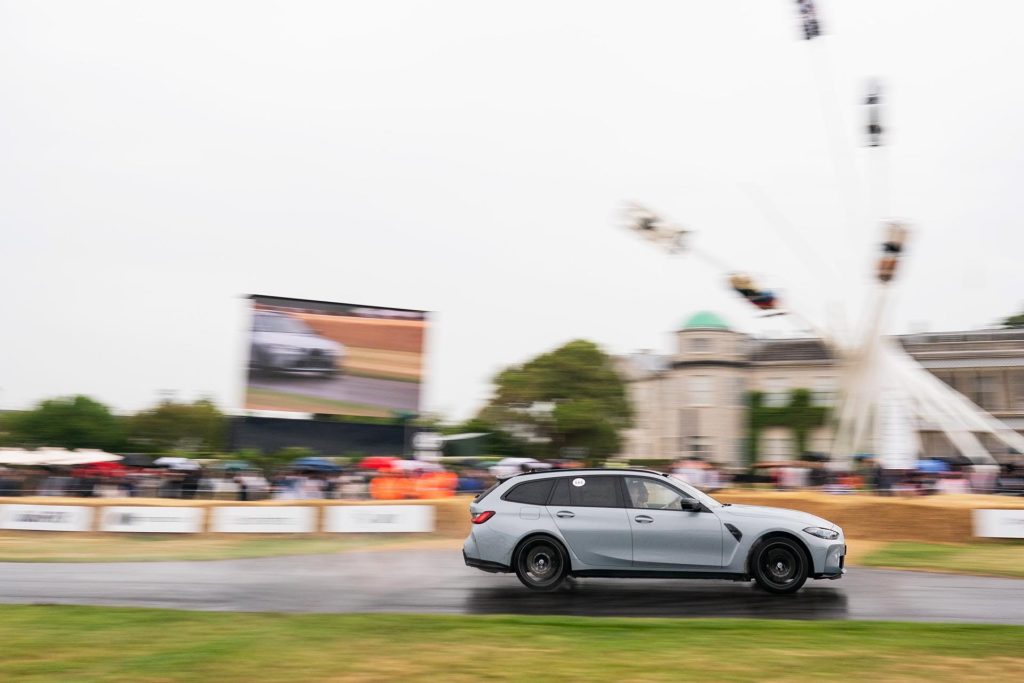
(780, 566)
(541, 565)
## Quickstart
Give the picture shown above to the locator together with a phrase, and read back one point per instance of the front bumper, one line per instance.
(835, 563)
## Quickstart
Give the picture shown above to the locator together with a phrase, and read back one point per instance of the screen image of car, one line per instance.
(333, 358)
(281, 343)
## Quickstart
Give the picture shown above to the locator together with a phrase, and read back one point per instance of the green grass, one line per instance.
(993, 559)
(57, 547)
(87, 644)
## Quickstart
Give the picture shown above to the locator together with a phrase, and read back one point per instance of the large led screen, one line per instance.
(333, 358)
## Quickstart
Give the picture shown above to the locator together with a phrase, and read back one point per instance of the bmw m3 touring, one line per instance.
(547, 526)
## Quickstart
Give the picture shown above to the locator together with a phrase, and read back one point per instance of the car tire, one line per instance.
(541, 564)
(779, 565)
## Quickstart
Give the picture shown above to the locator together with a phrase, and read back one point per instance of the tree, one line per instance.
(496, 442)
(197, 426)
(68, 422)
(1014, 321)
(571, 397)
(269, 462)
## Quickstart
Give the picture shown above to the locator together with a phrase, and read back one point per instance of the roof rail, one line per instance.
(548, 470)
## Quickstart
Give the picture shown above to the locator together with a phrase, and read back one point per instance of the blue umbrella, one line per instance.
(932, 466)
(316, 464)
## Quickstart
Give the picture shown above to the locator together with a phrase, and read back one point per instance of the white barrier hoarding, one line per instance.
(263, 520)
(46, 517)
(161, 520)
(999, 523)
(379, 519)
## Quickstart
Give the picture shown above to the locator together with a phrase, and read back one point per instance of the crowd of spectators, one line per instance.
(351, 483)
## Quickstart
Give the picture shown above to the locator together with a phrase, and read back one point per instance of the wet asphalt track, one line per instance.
(386, 393)
(436, 581)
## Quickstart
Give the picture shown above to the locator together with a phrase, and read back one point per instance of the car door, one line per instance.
(666, 536)
(588, 510)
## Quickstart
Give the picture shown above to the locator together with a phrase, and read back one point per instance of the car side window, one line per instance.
(584, 491)
(649, 494)
(530, 492)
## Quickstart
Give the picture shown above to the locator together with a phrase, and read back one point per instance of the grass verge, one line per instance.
(86, 644)
(51, 547)
(258, 398)
(991, 559)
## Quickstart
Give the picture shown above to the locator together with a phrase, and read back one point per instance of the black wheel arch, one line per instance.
(541, 535)
(761, 540)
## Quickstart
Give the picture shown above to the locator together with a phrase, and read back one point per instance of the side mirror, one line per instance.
(690, 505)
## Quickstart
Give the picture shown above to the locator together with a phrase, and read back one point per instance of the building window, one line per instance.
(699, 447)
(739, 450)
(1017, 389)
(822, 443)
(775, 393)
(739, 392)
(986, 391)
(701, 390)
(777, 448)
(824, 392)
(700, 344)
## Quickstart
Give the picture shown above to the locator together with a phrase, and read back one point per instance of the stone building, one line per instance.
(693, 401)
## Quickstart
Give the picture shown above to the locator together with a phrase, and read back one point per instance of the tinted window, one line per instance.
(530, 492)
(483, 494)
(561, 493)
(584, 491)
(650, 494)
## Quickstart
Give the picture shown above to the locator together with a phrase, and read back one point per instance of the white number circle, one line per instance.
(579, 481)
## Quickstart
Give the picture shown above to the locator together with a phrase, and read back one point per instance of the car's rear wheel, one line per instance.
(779, 565)
(541, 564)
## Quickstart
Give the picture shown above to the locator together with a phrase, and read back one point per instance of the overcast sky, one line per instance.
(159, 160)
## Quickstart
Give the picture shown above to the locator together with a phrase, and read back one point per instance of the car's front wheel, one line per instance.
(779, 565)
(541, 565)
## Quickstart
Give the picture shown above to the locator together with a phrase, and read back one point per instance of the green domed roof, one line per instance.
(705, 320)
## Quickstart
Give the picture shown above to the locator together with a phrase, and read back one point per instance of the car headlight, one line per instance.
(827, 534)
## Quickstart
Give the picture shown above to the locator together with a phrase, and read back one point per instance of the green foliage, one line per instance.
(268, 462)
(187, 427)
(68, 422)
(799, 415)
(1014, 321)
(497, 442)
(589, 401)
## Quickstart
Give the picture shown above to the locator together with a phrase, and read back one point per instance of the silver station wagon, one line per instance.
(547, 526)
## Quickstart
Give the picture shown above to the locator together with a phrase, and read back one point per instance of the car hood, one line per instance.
(782, 514)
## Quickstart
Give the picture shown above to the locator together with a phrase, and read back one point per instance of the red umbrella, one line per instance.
(377, 462)
(99, 469)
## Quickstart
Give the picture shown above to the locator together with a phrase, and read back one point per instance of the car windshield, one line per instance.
(695, 492)
(282, 323)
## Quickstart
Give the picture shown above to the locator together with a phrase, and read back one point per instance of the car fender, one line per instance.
(776, 532)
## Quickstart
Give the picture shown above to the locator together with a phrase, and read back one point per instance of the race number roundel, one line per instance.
(579, 481)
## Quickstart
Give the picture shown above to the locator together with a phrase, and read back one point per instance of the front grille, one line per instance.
(316, 359)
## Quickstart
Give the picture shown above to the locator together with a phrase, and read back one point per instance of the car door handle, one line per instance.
(644, 519)
(565, 514)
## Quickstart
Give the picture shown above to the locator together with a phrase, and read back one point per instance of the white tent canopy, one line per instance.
(54, 456)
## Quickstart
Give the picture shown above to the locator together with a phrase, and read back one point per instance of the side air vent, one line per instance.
(736, 533)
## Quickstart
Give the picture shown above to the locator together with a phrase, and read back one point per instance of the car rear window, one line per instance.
(583, 491)
(530, 492)
(483, 494)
